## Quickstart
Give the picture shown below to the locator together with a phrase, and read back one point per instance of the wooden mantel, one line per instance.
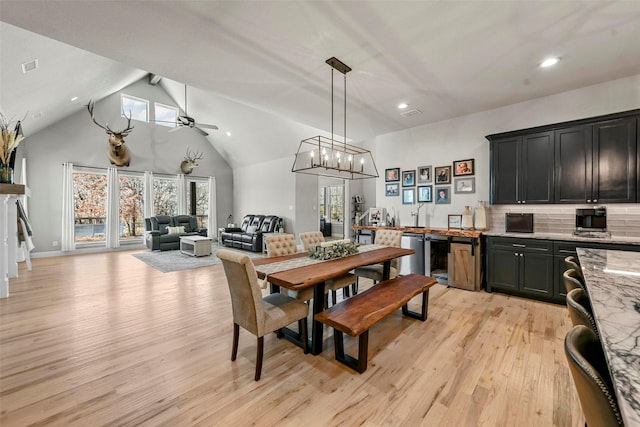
(8, 234)
(13, 189)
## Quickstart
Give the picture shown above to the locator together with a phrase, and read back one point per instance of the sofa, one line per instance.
(163, 231)
(249, 235)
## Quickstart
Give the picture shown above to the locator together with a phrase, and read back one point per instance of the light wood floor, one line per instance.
(103, 339)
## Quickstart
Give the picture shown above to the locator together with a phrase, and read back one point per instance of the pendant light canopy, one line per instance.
(324, 156)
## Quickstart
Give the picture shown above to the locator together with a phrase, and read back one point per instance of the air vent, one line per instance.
(410, 113)
(30, 66)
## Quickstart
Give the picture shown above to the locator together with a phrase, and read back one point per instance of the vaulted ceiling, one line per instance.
(263, 62)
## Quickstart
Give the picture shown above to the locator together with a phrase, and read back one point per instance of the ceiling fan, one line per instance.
(186, 121)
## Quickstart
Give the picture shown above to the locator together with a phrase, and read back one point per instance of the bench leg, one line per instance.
(359, 364)
(425, 305)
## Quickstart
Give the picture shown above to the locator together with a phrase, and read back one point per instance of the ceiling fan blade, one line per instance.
(200, 131)
(207, 126)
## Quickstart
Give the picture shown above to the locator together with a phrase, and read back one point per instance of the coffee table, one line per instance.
(195, 245)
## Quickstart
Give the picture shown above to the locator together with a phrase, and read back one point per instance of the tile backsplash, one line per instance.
(622, 219)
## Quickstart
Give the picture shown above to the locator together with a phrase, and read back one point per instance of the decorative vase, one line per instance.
(467, 218)
(6, 174)
(481, 217)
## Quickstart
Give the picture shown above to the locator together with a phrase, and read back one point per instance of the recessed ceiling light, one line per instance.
(403, 105)
(228, 133)
(75, 98)
(549, 62)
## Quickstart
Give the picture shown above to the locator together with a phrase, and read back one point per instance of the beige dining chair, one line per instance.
(312, 239)
(258, 315)
(281, 244)
(374, 272)
(590, 374)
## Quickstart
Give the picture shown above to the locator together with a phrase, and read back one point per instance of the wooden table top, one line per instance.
(308, 276)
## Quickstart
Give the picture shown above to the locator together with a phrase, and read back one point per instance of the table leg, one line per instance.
(386, 270)
(317, 328)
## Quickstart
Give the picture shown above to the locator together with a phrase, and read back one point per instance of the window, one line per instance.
(198, 201)
(321, 202)
(165, 196)
(165, 115)
(336, 199)
(90, 206)
(131, 217)
(138, 108)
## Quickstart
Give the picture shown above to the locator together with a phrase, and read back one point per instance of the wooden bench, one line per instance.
(354, 316)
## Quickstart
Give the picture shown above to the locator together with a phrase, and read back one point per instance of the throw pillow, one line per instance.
(251, 229)
(175, 230)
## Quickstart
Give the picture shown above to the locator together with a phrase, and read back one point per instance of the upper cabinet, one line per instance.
(522, 169)
(586, 161)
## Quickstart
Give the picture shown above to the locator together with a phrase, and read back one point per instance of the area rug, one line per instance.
(168, 261)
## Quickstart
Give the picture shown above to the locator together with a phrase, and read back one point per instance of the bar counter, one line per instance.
(424, 230)
(613, 285)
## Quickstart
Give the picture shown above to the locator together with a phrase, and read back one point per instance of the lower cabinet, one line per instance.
(465, 265)
(533, 267)
(520, 266)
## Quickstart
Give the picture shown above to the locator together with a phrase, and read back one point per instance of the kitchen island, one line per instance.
(613, 283)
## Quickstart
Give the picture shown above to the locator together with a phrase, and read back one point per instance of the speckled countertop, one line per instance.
(424, 230)
(566, 236)
(613, 284)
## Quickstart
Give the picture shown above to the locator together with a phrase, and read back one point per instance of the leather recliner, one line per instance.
(249, 235)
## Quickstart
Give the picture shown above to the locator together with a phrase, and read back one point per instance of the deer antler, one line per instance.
(123, 133)
(193, 156)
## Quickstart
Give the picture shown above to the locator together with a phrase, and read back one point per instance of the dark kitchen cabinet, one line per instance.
(522, 169)
(520, 266)
(592, 160)
(597, 163)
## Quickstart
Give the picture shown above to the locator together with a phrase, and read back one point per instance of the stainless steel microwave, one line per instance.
(594, 219)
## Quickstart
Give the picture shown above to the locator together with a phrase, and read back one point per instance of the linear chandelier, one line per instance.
(324, 156)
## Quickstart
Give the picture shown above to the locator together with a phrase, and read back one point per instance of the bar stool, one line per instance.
(590, 374)
(571, 279)
(572, 262)
(580, 310)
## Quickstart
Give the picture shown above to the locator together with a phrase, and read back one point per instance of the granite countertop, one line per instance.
(424, 230)
(613, 284)
(566, 236)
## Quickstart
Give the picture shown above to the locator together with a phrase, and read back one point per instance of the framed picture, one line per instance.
(443, 174)
(463, 167)
(408, 196)
(424, 194)
(392, 174)
(464, 185)
(408, 178)
(443, 195)
(392, 189)
(358, 198)
(424, 174)
(455, 222)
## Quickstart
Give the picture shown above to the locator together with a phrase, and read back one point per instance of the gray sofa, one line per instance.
(158, 238)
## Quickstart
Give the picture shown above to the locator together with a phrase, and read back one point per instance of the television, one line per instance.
(377, 216)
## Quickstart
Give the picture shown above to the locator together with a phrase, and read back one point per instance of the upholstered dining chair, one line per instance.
(254, 313)
(374, 272)
(591, 376)
(312, 239)
(580, 310)
(285, 244)
(572, 262)
(571, 280)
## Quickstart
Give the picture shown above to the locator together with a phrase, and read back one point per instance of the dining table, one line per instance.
(299, 271)
(612, 280)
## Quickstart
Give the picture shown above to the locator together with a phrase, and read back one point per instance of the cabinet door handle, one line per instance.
(588, 200)
(517, 245)
(521, 254)
(524, 201)
(595, 200)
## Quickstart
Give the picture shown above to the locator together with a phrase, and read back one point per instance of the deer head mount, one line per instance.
(118, 154)
(190, 161)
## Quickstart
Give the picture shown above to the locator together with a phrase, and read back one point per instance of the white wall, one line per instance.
(439, 144)
(76, 139)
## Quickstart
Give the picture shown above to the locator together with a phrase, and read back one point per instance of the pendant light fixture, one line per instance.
(324, 156)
